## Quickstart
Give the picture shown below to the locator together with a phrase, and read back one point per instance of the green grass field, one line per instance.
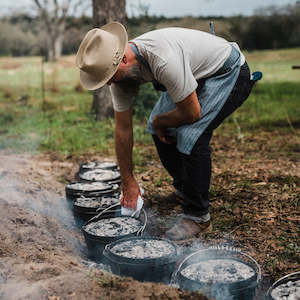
(66, 126)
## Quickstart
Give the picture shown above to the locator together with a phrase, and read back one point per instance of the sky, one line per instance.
(204, 7)
(179, 8)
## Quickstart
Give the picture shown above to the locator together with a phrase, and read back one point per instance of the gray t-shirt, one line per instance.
(177, 57)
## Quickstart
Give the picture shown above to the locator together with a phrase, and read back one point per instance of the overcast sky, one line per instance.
(179, 7)
(205, 7)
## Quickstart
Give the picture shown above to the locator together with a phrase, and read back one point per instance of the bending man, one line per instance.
(203, 79)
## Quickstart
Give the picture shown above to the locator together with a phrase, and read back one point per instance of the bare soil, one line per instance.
(254, 205)
(42, 252)
(255, 197)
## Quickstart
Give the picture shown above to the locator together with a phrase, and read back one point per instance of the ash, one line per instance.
(218, 271)
(96, 202)
(93, 186)
(100, 175)
(114, 226)
(141, 249)
(287, 291)
(100, 165)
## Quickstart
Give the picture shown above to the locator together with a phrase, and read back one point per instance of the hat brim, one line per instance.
(90, 82)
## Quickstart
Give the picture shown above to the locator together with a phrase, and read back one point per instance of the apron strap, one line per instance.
(142, 60)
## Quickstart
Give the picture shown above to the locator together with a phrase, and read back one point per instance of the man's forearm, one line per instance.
(124, 145)
(186, 112)
(171, 118)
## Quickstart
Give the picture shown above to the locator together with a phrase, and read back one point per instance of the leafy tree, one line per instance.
(18, 42)
(271, 27)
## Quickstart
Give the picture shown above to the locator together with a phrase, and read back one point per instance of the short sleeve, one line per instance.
(122, 95)
(176, 75)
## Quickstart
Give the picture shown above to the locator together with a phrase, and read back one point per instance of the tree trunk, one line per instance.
(105, 11)
(51, 47)
(58, 44)
(58, 47)
(53, 14)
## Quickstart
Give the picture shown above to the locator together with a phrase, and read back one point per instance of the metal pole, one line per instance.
(212, 27)
(43, 86)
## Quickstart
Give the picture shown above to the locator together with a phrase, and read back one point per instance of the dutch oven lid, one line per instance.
(219, 271)
(217, 254)
(142, 250)
(100, 175)
(112, 227)
(95, 202)
(88, 187)
(108, 165)
(288, 285)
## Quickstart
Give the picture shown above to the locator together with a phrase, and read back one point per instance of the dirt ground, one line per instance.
(255, 206)
(42, 252)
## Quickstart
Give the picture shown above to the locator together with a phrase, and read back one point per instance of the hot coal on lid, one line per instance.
(99, 165)
(218, 271)
(113, 227)
(100, 175)
(287, 291)
(93, 186)
(96, 202)
(143, 248)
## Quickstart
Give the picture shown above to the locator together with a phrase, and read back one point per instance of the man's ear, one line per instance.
(124, 59)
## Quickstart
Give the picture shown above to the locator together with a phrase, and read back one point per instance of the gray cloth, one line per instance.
(177, 57)
(212, 97)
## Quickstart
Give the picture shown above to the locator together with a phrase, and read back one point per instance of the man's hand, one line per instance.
(187, 111)
(160, 131)
(130, 191)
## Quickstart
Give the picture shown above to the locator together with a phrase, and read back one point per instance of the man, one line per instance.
(204, 79)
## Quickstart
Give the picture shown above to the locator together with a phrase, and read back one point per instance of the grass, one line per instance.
(62, 121)
(276, 65)
(271, 105)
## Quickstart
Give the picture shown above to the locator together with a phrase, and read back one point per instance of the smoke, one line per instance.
(20, 190)
(16, 192)
(28, 142)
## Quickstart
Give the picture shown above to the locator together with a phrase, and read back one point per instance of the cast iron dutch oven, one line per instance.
(243, 289)
(153, 269)
(96, 243)
(92, 189)
(287, 283)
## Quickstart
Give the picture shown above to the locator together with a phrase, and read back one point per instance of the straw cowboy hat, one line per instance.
(100, 54)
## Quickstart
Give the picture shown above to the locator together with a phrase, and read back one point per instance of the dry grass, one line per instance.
(11, 65)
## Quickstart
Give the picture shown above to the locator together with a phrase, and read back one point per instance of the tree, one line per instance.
(105, 11)
(53, 14)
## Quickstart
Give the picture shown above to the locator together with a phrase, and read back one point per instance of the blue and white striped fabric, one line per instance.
(212, 97)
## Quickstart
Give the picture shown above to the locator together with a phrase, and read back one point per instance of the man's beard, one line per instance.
(133, 76)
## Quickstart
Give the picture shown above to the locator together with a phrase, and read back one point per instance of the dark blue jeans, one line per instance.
(191, 173)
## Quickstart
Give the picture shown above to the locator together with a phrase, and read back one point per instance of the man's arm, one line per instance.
(123, 147)
(186, 112)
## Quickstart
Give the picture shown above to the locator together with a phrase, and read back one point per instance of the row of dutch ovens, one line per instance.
(122, 243)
